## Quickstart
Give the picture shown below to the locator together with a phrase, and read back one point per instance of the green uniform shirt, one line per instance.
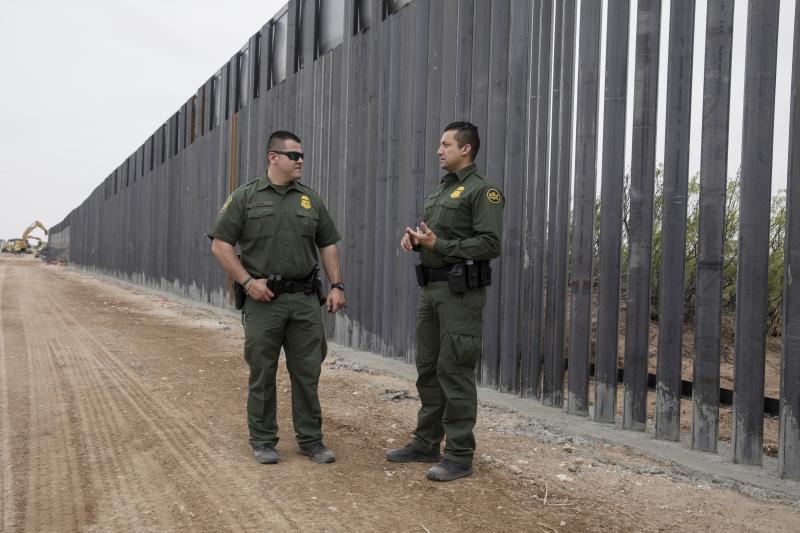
(466, 213)
(278, 232)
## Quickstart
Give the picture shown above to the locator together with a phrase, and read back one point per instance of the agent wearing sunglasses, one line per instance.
(281, 227)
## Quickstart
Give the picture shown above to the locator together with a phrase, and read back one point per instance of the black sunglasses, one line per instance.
(294, 156)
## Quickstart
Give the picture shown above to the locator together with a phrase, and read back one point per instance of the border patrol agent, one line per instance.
(462, 231)
(279, 224)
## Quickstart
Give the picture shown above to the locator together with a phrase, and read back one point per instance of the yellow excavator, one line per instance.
(23, 246)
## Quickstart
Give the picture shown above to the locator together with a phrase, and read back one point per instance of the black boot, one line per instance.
(265, 454)
(409, 454)
(318, 452)
(448, 471)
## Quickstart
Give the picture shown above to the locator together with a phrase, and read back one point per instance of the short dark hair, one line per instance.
(277, 139)
(466, 133)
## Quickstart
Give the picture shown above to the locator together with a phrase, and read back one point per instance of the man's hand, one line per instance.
(257, 290)
(336, 300)
(423, 235)
(407, 242)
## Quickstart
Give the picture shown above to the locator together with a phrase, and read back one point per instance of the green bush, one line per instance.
(730, 249)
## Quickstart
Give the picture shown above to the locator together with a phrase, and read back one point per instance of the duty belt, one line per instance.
(436, 274)
(288, 286)
(469, 274)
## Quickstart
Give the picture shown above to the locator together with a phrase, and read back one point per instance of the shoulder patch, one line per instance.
(226, 204)
(494, 196)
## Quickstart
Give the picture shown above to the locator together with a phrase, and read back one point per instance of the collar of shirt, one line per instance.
(263, 183)
(462, 174)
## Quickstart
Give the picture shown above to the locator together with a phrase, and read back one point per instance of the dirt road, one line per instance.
(123, 410)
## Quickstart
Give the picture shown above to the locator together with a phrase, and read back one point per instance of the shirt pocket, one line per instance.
(449, 213)
(307, 222)
(260, 221)
(429, 205)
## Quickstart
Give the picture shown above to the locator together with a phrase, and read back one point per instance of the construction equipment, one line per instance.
(23, 246)
(13, 246)
(38, 247)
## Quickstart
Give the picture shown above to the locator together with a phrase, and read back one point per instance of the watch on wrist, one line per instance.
(339, 286)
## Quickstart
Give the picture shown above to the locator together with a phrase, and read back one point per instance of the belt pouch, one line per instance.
(317, 283)
(457, 279)
(473, 274)
(275, 284)
(422, 278)
(484, 274)
(239, 295)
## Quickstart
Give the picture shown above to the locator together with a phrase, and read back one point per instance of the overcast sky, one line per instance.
(782, 88)
(86, 82)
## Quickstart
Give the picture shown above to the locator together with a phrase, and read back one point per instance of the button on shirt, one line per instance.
(278, 229)
(466, 213)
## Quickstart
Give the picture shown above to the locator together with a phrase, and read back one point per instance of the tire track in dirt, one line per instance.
(162, 425)
(126, 497)
(203, 442)
(41, 477)
(48, 494)
(199, 462)
(210, 461)
(58, 489)
(7, 495)
(112, 427)
(109, 391)
(103, 468)
(18, 400)
(213, 460)
(51, 446)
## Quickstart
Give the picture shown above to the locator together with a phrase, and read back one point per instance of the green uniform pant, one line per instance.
(448, 348)
(293, 321)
